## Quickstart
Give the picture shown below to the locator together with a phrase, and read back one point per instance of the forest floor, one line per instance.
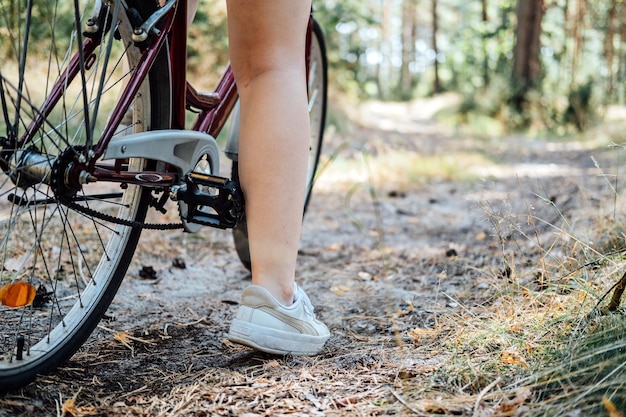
(440, 260)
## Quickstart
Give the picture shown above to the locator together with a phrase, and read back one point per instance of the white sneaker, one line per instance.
(265, 324)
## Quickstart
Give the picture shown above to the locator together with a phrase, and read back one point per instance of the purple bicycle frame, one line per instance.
(213, 113)
(215, 108)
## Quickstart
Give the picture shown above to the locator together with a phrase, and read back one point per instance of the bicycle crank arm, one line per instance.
(210, 200)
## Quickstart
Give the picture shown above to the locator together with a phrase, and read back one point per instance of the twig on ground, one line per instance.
(127, 336)
(483, 393)
(404, 403)
(617, 294)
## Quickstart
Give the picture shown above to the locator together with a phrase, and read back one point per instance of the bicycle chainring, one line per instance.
(66, 187)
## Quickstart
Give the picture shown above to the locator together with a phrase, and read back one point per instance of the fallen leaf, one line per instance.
(17, 294)
(610, 407)
(405, 312)
(339, 290)
(69, 407)
(230, 344)
(434, 408)
(417, 334)
(123, 338)
(514, 358)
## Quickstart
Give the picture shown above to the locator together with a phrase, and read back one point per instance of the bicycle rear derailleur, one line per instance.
(210, 200)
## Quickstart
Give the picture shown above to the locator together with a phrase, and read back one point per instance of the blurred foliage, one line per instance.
(11, 21)
(369, 42)
(475, 52)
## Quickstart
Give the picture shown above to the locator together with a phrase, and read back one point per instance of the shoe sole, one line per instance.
(275, 341)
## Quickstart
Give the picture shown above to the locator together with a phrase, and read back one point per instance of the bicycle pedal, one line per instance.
(210, 200)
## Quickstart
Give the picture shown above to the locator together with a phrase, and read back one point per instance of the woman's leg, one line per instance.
(267, 41)
(267, 44)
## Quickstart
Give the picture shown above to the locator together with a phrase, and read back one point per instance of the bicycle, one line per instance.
(78, 180)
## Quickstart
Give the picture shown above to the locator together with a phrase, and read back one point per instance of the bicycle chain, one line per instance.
(130, 223)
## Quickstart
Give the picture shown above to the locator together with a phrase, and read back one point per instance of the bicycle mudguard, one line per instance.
(180, 148)
(232, 145)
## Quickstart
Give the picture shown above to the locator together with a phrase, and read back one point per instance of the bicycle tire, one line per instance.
(76, 262)
(317, 91)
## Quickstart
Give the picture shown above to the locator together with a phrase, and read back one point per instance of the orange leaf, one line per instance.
(405, 312)
(69, 407)
(610, 407)
(17, 294)
(481, 236)
(122, 337)
(514, 358)
(340, 290)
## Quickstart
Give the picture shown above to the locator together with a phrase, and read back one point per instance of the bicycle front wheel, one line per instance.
(317, 87)
(69, 247)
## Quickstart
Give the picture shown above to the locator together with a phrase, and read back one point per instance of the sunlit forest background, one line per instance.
(552, 65)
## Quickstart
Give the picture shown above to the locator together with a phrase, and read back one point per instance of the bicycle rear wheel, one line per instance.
(59, 241)
(317, 91)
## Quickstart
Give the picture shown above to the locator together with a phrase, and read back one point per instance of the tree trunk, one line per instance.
(406, 83)
(609, 49)
(526, 62)
(581, 6)
(485, 19)
(436, 81)
(621, 64)
(384, 69)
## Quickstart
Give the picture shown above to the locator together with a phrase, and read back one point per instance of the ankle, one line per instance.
(283, 293)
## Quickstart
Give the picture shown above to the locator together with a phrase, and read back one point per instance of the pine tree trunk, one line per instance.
(526, 62)
(384, 66)
(406, 83)
(436, 80)
(609, 49)
(485, 19)
(581, 6)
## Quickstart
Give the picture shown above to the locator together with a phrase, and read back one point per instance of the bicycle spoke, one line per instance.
(24, 52)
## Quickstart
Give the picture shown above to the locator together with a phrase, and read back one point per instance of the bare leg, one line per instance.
(267, 40)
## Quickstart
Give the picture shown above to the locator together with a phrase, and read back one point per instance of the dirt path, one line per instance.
(389, 263)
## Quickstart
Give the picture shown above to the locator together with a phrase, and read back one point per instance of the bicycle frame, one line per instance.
(214, 108)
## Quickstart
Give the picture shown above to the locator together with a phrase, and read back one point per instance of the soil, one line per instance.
(388, 263)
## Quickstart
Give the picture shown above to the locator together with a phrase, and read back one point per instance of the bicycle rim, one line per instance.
(317, 88)
(75, 261)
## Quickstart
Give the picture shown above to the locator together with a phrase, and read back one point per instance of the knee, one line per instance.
(251, 70)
